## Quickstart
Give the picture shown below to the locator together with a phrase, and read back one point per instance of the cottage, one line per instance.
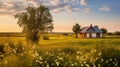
(90, 32)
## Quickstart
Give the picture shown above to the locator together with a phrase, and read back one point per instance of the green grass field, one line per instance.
(60, 51)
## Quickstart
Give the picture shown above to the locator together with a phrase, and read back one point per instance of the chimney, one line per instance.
(90, 25)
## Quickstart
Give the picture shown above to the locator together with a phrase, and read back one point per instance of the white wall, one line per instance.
(88, 35)
(93, 35)
(101, 35)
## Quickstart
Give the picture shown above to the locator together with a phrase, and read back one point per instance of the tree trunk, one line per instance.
(76, 35)
(33, 38)
(36, 38)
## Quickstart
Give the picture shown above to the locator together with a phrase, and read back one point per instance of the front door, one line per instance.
(90, 35)
(98, 35)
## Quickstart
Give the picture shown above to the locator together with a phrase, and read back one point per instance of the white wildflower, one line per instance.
(57, 63)
(77, 57)
(47, 65)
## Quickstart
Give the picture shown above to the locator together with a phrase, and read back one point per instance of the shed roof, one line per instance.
(90, 29)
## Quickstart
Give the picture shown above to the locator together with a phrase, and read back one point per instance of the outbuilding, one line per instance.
(90, 32)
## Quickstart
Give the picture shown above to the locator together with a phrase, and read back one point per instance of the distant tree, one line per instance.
(35, 20)
(110, 33)
(65, 34)
(76, 29)
(117, 33)
(104, 30)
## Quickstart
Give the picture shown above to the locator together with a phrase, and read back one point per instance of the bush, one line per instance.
(117, 33)
(65, 34)
(110, 33)
(45, 38)
(1, 48)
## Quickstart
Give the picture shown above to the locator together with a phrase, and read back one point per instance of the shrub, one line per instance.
(45, 38)
(117, 33)
(65, 34)
(1, 48)
(110, 33)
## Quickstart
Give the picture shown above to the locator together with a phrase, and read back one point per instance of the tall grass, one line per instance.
(61, 51)
(22, 55)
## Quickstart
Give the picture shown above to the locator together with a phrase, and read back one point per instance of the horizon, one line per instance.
(65, 13)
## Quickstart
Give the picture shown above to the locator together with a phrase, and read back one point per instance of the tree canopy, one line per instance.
(76, 29)
(35, 20)
(104, 30)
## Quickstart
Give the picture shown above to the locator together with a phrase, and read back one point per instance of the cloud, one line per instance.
(12, 7)
(57, 10)
(104, 8)
(83, 2)
(69, 9)
(86, 10)
(55, 2)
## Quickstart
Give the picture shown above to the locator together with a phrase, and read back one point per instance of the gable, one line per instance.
(90, 29)
(97, 29)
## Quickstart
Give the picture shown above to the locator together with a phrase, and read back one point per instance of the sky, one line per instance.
(104, 13)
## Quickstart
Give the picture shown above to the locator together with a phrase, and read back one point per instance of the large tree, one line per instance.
(104, 30)
(76, 29)
(35, 20)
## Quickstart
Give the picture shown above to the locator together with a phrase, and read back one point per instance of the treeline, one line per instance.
(12, 34)
(114, 33)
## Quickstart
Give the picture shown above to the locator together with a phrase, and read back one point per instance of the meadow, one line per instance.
(58, 50)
